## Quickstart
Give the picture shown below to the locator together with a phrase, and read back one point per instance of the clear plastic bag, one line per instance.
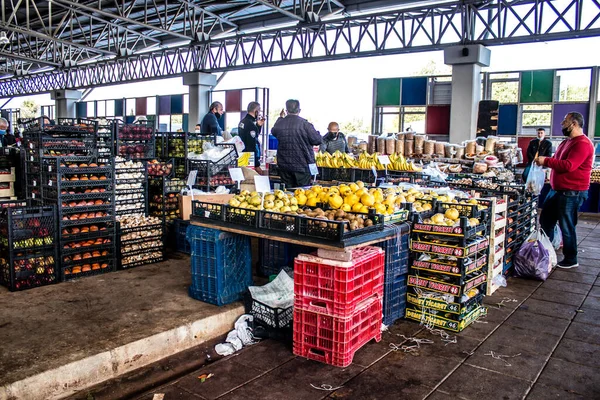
(557, 241)
(535, 179)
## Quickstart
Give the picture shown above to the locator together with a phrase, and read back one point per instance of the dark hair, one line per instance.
(253, 106)
(215, 105)
(198, 125)
(577, 117)
(292, 106)
(541, 129)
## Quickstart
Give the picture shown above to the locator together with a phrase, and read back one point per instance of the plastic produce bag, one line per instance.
(557, 241)
(545, 240)
(535, 179)
(532, 261)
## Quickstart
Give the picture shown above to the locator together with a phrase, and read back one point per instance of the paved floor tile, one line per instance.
(518, 364)
(404, 327)
(572, 287)
(227, 375)
(558, 296)
(171, 393)
(517, 339)
(592, 302)
(578, 352)
(456, 351)
(523, 282)
(372, 352)
(538, 323)
(573, 277)
(575, 378)
(480, 330)
(265, 355)
(549, 308)
(588, 316)
(595, 291)
(543, 392)
(397, 390)
(476, 384)
(586, 266)
(293, 381)
(439, 395)
(584, 333)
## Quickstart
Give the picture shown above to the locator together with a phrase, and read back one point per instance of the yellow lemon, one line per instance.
(301, 199)
(380, 208)
(364, 210)
(452, 213)
(335, 201)
(360, 184)
(346, 207)
(357, 207)
(361, 191)
(354, 187)
(311, 202)
(438, 218)
(351, 199)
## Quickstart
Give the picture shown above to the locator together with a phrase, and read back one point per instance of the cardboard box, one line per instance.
(185, 202)
(7, 189)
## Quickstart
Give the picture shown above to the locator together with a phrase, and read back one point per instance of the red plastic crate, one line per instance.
(334, 340)
(336, 287)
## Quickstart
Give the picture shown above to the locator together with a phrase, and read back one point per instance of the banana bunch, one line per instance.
(243, 160)
(335, 160)
(367, 161)
(399, 163)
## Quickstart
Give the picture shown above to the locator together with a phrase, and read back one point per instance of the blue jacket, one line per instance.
(210, 125)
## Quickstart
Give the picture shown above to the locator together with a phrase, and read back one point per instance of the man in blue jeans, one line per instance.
(571, 168)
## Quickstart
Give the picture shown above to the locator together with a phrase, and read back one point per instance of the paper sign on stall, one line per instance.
(191, 181)
(236, 175)
(262, 184)
(314, 171)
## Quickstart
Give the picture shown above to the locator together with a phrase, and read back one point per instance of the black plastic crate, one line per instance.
(129, 262)
(276, 318)
(337, 174)
(210, 168)
(336, 231)
(461, 233)
(241, 216)
(279, 222)
(180, 228)
(81, 270)
(211, 211)
(28, 227)
(273, 256)
(25, 269)
(466, 210)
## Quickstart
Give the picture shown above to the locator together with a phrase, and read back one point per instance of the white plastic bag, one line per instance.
(557, 241)
(535, 179)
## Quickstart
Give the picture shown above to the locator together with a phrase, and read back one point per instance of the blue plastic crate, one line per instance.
(394, 299)
(221, 265)
(180, 230)
(275, 256)
(396, 252)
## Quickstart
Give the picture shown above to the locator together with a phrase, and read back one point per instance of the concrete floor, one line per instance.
(49, 327)
(551, 331)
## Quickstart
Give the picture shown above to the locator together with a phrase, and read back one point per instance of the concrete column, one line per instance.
(200, 84)
(466, 64)
(64, 101)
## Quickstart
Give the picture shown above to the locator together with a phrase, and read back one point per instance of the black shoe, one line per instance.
(567, 264)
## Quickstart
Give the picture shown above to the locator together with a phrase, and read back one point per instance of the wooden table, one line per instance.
(348, 244)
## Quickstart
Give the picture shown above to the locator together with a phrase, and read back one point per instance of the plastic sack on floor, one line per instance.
(532, 261)
(239, 337)
(535, 179)
(545, 240)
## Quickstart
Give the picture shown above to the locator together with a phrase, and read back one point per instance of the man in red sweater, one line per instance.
(570, 180)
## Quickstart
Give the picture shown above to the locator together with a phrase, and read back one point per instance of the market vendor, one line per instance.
(334, 140)
(296, 138)
(210, 122)
(6, 138)
(249, 131)
(540, 146)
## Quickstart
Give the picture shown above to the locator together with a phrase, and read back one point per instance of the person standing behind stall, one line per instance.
(570, 180)
(210, 122)
(334, 140)
(296, 138)
(249, 131)
(540, 146)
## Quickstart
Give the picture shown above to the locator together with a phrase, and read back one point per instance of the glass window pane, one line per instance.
(574, 85)
(505, 92)
(130, 107)
(390, 123)
(91, 109)
(164, 123)
(176, 122)
(101, 107)
(186, 103)
(110, 108)
(152, 105)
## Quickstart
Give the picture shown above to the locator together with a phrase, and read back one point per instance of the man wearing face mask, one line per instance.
(197, 128)
(571, 168)
(538, 146)
(6, 139)
(334, 140)
(210, 122)
(249, 131)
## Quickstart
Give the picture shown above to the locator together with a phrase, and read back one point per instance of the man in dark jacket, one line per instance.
(249, 131)
(210, 122)
(296, 138)
(537, 147)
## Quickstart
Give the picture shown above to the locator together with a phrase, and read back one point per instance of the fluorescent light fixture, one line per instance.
(3, 39)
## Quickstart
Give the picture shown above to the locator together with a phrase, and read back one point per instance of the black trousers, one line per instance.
(294, 179)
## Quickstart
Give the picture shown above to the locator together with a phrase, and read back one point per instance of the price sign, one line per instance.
(236, 174)
(314, 171)
(192, 178)
(262, 183)
(385, 160)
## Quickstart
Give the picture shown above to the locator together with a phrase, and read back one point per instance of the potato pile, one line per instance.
(355, 221)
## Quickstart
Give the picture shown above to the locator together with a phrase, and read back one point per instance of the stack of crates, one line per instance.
(337, 305)
(396, 272)
(180, 228)
(221, 265)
